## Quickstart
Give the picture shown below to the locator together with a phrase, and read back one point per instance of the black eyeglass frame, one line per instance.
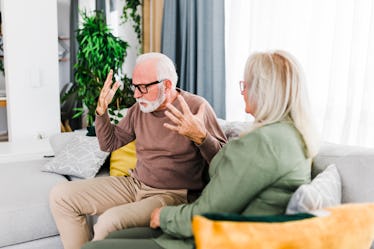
(143, 88)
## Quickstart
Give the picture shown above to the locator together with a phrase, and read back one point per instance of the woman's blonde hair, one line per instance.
(277, 91)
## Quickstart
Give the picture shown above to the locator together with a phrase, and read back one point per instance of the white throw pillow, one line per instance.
(324, 191)
(80, 156)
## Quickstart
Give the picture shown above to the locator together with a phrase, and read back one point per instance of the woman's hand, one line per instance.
(106, 94)
(155, 218)
(187, 124)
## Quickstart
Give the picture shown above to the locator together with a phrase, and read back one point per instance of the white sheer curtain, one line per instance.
(334, 42)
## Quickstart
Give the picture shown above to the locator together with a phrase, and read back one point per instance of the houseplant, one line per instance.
(99, 51)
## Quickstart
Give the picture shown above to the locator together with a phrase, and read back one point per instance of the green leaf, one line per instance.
(111, 112)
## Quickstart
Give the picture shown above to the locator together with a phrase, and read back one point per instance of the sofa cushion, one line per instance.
(24, 209)
(324, 191)
(357, 173)
(342, 227)
(123, 160)
(44, 243)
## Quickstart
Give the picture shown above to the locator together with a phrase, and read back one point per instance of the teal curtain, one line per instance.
(193, 36)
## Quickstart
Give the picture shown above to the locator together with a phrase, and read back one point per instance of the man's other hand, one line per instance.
(186, 123)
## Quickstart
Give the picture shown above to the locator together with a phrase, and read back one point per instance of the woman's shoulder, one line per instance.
(278, 136)
(283, 129)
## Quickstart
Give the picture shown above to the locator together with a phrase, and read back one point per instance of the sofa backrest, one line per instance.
(335, 153)
(356, 169)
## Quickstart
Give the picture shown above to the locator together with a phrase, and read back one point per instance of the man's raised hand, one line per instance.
(106, 94)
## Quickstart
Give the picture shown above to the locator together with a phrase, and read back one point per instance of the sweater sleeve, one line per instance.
(241, 170)
(112, 137)
(215, 138)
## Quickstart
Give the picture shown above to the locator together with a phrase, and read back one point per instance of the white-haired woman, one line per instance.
(253, 175)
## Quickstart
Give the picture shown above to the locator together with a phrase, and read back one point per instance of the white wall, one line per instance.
(31, 68)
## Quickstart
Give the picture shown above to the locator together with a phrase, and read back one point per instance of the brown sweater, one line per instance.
(166, 160)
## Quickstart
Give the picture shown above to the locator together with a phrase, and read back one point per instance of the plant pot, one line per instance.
(91, 131)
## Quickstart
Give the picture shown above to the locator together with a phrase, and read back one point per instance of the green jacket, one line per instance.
(253, 175)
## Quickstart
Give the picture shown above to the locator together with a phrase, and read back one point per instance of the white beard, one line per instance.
(152, 105)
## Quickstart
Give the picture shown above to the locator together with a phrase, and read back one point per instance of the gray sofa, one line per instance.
(25, 219)
(26, 222)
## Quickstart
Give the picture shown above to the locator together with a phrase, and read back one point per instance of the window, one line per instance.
(334, 42)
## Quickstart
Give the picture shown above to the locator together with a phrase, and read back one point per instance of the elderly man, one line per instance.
(171, 155)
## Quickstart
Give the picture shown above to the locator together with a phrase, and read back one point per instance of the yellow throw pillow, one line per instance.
(346, 226)
(122, 160)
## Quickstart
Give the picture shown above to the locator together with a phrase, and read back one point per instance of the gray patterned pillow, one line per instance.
(324, 191)
(234, 129)
(81, 157)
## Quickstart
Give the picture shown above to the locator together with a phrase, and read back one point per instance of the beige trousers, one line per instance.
(121, 202)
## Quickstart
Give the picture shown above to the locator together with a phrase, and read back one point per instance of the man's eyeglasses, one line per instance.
(143, 88)
(242, 85)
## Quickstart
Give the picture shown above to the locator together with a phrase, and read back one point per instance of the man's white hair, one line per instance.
(165, 66)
